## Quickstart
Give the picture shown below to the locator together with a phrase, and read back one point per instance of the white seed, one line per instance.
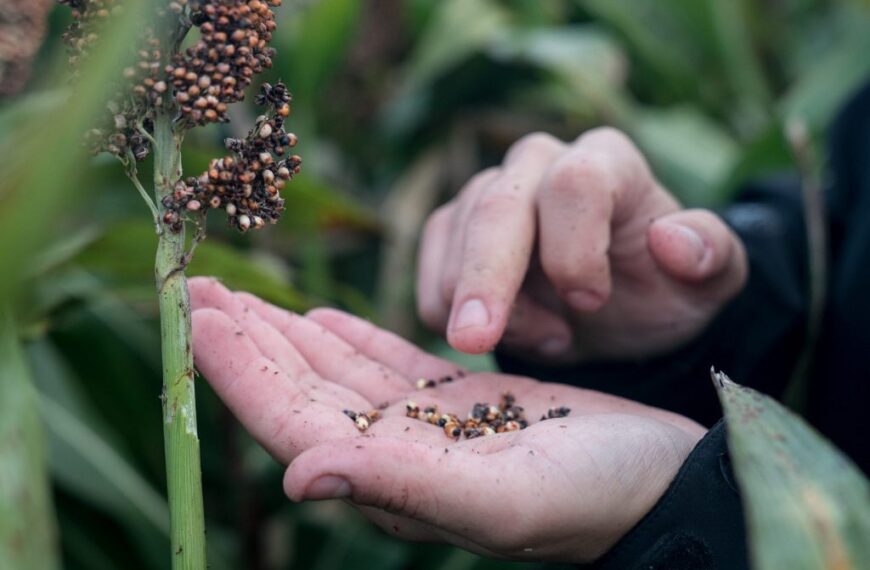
(265, 131)
(244, 222)
(231, 209)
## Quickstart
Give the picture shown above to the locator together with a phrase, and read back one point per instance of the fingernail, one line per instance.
(328, 487)
(472, 313)
(697, 243)
(584, 300)
(554, 346)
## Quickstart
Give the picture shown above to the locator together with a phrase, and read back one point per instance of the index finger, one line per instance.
(498, 243)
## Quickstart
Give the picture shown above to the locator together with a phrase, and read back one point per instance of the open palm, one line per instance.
(563, 489)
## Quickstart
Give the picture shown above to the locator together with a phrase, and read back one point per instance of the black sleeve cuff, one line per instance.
(696, 525)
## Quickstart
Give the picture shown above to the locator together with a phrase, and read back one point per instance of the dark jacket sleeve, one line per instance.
(712, 538)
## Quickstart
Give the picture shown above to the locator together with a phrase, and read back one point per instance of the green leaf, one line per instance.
(834, 74)
(807, 505)
(469, 24)
(768, 153)
(124, 255)
(312, 204)
(62, 250)
(656, 35)
(29, 109)
(740, 63)
(42, 157)
(690, 153)
(83, 457)
(458, 29)
(27, 524)
(319, 38)
(583, 57)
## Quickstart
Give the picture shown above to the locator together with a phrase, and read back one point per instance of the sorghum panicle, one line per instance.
(246, 184)
(133, 98)
(203, 79)
(232, 48)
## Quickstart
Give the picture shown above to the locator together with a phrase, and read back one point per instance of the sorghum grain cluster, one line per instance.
(132, 99)
(232, 48)
(203, 79)
(483, 419)
(246, 184)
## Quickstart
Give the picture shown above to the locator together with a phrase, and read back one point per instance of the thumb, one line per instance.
(696, 246)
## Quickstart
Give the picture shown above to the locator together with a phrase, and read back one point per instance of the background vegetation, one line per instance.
(397, 103)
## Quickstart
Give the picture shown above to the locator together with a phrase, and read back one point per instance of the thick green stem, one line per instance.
(184, 482)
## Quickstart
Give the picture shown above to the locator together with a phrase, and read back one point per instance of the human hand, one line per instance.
(572, 251)
(563, 489)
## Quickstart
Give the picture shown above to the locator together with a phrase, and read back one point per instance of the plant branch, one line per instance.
(140, 126)
(132, 173)
(198, 237)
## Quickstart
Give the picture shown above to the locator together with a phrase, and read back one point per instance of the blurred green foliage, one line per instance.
(397, 103)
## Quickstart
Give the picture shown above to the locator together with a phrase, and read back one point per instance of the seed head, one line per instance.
(231, 49)
(244, 184)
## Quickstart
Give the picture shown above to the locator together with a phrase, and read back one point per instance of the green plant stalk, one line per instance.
(183, 474)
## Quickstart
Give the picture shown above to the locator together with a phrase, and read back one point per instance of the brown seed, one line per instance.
(452, 429)
(362, 422)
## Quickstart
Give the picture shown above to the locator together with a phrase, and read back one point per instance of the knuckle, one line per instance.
(588, 172)
(533, 142)
(609, 136)
(438, 219)
(493, 204)
(479, 181)
(560, 270)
